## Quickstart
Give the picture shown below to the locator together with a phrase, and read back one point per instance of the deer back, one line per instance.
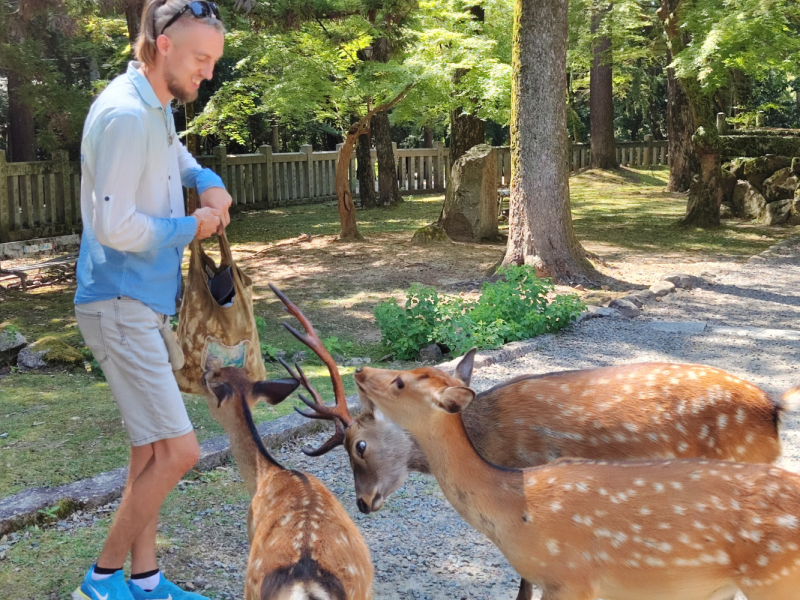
(637, 411)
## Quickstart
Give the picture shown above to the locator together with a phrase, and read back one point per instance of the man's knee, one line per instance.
(181, 453)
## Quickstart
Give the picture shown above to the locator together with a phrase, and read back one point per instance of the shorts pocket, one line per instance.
(90, 324)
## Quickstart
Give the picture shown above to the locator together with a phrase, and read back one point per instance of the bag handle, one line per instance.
(225, 249)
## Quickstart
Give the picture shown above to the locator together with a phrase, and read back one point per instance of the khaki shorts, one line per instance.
(124, 336)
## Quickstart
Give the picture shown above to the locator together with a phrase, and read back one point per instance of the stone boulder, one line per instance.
(736, 167)
(627, 308)
(662, 288)
(757, 170)
(780, 185)
(728, 184)
(470, 209)
(11, 342)
(794, 213)
(748, 202)
(726, 211)
(431, 353)
(778, 212)
(683, 280)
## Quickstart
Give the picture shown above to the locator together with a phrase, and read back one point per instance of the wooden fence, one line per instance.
(42, 199)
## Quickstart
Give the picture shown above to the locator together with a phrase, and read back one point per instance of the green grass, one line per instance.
(47, 562)
(629, 209)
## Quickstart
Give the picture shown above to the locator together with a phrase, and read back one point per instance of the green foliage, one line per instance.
(336, 346)
(515, 308)
(268, 351)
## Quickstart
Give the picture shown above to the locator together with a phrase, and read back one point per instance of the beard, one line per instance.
(181, 93)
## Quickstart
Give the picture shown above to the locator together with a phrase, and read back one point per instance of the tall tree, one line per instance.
(365, 172)
(540, 229)
(683, 161)
(601, 102)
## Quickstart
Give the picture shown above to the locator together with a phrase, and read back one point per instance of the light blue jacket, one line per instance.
(134, 224)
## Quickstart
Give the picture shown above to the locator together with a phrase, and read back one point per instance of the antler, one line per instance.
(337, 413)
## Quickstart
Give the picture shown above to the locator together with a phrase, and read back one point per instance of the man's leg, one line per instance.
(138, 511)
(143, 549)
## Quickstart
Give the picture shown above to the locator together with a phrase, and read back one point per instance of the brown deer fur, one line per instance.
(303, 543)
(636, 411)
(693, 529)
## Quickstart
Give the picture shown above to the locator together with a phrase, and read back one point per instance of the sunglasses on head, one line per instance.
(200, 9)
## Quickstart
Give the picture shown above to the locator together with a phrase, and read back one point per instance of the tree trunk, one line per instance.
(683, 162)
(21, 130)
(427, 137)
(347, 210)
(601, 104)
(540, 230)
(705, 192)
(133, 16)
(466, 131)
(365, 172)
(388, 187)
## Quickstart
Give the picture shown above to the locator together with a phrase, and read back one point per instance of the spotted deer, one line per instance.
(303, 545)
(636, 411)
(693, 529)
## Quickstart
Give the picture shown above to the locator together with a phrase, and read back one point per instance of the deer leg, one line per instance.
(525, 590)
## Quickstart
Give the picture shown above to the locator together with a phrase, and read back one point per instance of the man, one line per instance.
(133, 169)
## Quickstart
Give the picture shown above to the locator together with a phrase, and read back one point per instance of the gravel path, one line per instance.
(420, 546)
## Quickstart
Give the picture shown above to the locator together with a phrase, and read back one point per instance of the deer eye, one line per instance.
(361, 447)
(399, 383)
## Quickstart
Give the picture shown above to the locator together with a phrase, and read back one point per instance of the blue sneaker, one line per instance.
(166, 590)
(111, 588)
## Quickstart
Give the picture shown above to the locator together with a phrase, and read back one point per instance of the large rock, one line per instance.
(737, 167)
(778, 212)
(748, 202)
(662, 288)
(780, 185)
(728, 183)
(29, 359)
(627, 308)
(11, 342)
(431, 353)
(726, 211)
(757, 170)
(470, 210)
(683, 280)
(794, 213)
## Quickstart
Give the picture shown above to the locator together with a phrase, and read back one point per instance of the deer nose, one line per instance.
(359, 369)
(362, 506)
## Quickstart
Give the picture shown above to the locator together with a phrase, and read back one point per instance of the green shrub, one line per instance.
(514, 308)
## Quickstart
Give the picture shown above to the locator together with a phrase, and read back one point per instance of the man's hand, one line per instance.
(209, 221)
(220, 200)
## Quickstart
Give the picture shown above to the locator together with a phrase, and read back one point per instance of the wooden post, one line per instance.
(5, 214)
(221, 152)
(307, 175)
(722, 123)
(266, 174)
(648, 151)
(438, 163)
(61, 160)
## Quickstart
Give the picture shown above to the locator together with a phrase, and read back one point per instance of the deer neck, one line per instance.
(489, 498)
(254, 461)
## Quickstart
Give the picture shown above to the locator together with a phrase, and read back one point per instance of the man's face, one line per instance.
(189, 57)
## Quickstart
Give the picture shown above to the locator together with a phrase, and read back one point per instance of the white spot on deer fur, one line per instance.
(774, 547)
(703, 432)
(740, 415)
(762, 561)
(698, 525)
(750, 535)
(555, 506)
(552, 547)
(678, 509)
(654, 562)
(653, 436)
(683, 447)
(582, 487)
(722, 421)
(787, 521)
(645, 511)
(676, 485)
(582, 520)
(659, 487)
(695, 475)
(640, 482)
(740, 449)
(636, 528)
(684, 539)
(680, 428)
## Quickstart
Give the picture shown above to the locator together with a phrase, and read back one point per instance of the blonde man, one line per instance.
(135, 230)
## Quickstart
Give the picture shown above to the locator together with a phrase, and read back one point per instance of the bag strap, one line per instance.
(225, 249)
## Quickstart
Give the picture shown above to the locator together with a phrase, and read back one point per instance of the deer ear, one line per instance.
(464, 368)
(454, 399)
(272, 392)
(221, 390)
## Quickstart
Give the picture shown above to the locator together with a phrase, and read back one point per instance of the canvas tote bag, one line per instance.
(211, 333)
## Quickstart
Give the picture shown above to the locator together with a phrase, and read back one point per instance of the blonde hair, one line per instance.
(155, 15)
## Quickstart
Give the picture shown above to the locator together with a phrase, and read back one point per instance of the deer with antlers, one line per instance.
(610, 413)
(693, 529)
(303, 545)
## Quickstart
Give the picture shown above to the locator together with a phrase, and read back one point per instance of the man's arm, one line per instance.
(209, 185)
(121, 155)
